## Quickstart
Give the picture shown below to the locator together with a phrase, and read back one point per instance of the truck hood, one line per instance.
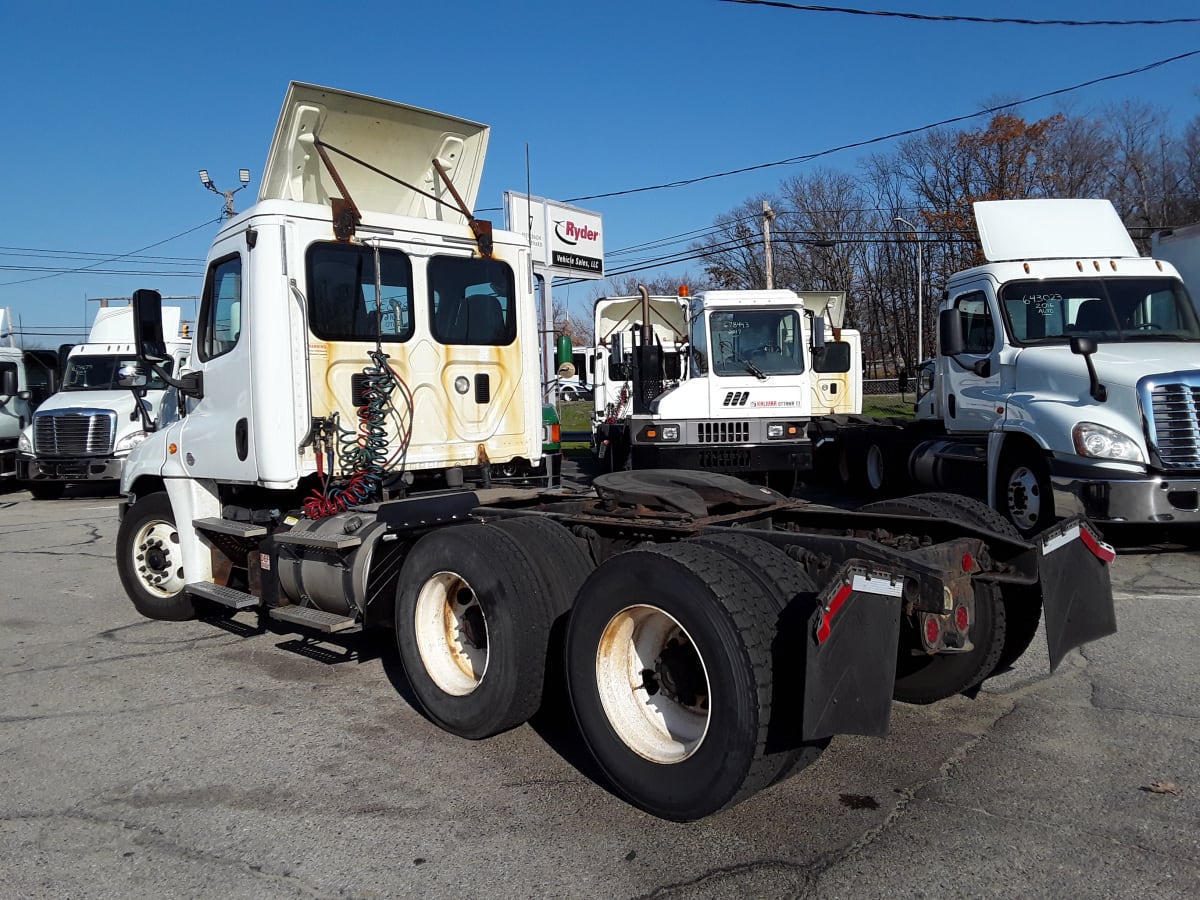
(1117, 363)
(396, 139)
(119, 401)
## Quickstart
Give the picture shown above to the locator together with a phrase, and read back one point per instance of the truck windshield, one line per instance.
(1107, 309)
(100, 373)
(756, 342)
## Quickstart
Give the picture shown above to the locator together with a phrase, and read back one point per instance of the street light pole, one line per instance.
(920, 302)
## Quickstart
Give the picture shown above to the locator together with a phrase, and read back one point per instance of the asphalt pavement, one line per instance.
(203, 759)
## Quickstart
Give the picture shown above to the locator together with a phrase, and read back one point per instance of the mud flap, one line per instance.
(1076, 590)
(850, 659)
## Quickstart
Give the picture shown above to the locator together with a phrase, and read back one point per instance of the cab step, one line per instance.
(317, 619)
(226, 596)
(318, 542)
(230, 526)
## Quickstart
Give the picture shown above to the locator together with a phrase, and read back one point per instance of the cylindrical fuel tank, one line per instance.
(949, 464)
(323, 574)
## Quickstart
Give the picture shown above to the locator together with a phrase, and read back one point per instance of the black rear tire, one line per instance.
(669, 668)
(563, 565)
(473, 623)
(795, 595)
(923, 678)
(1022, 603)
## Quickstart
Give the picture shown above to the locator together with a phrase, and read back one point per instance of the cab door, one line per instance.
(216, 439)
(970, 399)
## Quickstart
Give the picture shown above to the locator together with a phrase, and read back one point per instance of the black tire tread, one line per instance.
(754, 614)
(532, 637)
(178, 608)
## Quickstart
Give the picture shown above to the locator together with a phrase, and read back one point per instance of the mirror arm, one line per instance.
(191, 384)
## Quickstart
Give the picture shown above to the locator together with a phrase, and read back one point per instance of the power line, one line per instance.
(887, 137)
(923, 17)
(113, 258)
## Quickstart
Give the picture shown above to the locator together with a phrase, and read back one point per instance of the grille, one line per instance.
(724, 432)
(725, 460)
(73, 434)
(1175, 430)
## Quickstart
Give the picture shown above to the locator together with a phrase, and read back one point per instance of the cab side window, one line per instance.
(220, 318)
(979, 331)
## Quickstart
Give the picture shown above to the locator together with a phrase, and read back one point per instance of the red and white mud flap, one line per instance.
(850, 658)
(1076, 590)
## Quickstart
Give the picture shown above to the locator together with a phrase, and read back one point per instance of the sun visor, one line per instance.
(393, 138)
(1051, 229)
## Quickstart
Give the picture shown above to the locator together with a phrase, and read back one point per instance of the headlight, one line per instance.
(24, 444)
(790, 430)
(130, 441)
(1105, 443)
(653, 434)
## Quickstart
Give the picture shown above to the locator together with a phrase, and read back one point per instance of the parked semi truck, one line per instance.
(331, 473)
(724, 381)
(1065, 381)
(86, 430)
(27, 378)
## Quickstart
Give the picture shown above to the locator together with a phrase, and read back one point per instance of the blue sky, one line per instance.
(111, 108)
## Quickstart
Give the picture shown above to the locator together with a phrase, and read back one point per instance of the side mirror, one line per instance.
(902, 382)
(8, 382)
(818, 332)
(1082, 345)
(148, 327)
(131, 377)
(950, 336)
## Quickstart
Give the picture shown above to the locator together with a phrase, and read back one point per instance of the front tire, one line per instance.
(150, 561)
(669, 669)
(473, 622)
(1024, 491)
(46, 490)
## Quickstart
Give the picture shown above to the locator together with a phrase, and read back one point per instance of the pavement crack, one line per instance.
(804, 877)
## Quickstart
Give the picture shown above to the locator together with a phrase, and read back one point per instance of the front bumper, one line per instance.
(739, 459)
(30, 468)
(1142, 499)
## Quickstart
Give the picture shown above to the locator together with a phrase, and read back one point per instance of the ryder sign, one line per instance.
(565, 240)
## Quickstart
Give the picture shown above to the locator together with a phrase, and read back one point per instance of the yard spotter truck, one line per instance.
(1066, 380)
(331, 474)
(725, 381)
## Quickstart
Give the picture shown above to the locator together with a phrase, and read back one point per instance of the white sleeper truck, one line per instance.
(366, 351)
(85, 431)
(1066, 379)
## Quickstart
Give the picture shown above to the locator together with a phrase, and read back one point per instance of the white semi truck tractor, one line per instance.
(1066, 380)
(366, 351)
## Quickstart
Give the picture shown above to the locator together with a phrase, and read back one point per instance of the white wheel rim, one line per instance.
(874, 467)
(157, 560)
(653, 684)
(451, 633)
(1024, 497)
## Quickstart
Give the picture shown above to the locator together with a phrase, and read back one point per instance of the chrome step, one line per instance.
(229, 526)
(219, 593)
(330, 623)
(303, 539)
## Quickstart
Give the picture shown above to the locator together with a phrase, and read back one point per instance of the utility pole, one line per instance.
(920, 303)
(243, 177)
(768, 216)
